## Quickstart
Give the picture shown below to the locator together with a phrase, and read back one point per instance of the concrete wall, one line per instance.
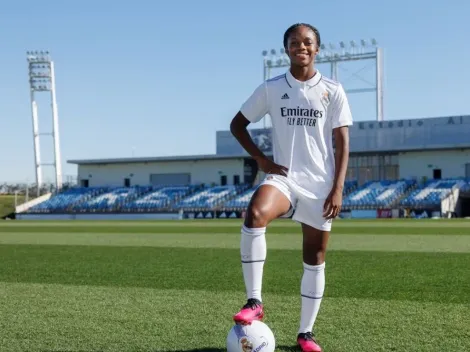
(421, 164)
(25, 206)
(202, 171)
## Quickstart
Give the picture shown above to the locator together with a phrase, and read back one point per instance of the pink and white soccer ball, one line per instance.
(256, 337)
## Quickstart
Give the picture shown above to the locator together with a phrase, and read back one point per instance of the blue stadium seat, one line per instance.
(240, 202)
(211, 197)
(466, 186)
(377, 194)
(64, 201)
(432, 192)
(161, 198)
(372, 195)
(113, 200)
(349, 187)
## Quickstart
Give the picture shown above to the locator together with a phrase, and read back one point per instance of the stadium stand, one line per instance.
(432, 192)
(162, 198)
(349, 187)
(466, 187)
(378, 194)
(241, 201)
(113, 200)
(210, 198)
(147, 199)
(63, 202)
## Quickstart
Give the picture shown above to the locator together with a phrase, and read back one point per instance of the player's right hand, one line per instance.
(270, 167)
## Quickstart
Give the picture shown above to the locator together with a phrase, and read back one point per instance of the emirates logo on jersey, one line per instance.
(298, 111)
(301, 117)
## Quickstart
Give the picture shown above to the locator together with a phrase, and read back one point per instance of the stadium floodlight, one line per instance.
(42, 79)
(330, 55)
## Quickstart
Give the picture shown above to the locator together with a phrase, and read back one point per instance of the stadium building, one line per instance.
(416, 167)
(419, 149)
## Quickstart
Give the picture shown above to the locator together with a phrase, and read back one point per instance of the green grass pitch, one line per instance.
(392, 285)
(7, 204)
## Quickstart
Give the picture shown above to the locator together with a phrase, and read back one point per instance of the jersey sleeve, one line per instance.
(340, 112)
(256, 106)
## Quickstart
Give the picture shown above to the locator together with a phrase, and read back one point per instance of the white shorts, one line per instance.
(306, 210)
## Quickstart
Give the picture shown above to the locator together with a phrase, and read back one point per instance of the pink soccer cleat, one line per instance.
(308, 343)
(252, 310)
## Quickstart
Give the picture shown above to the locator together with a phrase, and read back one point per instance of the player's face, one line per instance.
(302, 46)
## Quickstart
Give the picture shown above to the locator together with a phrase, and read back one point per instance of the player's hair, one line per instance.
(297, 25)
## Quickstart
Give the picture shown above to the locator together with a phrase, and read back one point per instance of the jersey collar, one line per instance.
(292, 81)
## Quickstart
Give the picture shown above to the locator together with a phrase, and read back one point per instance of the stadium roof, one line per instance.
(155, 159)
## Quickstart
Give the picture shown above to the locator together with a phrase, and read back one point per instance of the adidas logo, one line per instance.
(285, 96)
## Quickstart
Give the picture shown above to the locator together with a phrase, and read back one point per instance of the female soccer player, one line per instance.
(306, 177)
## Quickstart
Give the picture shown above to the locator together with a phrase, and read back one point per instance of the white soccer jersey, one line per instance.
(303, 116)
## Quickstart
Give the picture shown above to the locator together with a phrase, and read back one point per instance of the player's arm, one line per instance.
(239, 129)
(341, 135)
(253, 110)
(341, 118)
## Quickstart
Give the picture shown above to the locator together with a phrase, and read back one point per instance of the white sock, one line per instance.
(253, 255)
(311, 289)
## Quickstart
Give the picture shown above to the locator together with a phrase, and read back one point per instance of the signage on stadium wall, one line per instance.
(213, 215)
(384, 213)
(262, 139)
(367, 136)
(364, 214)
(420, 213)
(424, 214)
(122, 216)
(451, 120)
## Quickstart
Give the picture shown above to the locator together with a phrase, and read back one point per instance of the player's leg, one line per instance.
(267, 204)
(316, 230)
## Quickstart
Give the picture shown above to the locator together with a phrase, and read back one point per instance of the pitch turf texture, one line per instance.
(396, 285)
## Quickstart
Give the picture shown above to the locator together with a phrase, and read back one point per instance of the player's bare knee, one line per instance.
(314, 248)
(314, 256)
(257, 217)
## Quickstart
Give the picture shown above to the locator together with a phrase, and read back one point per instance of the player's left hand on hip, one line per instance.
(332, 205)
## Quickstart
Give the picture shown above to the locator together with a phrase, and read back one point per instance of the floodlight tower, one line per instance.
(42, 79)
(333, 56)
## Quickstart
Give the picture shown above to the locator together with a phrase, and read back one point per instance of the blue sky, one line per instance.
(158, 78)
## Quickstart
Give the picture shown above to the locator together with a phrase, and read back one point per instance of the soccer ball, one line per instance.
(256, 337)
